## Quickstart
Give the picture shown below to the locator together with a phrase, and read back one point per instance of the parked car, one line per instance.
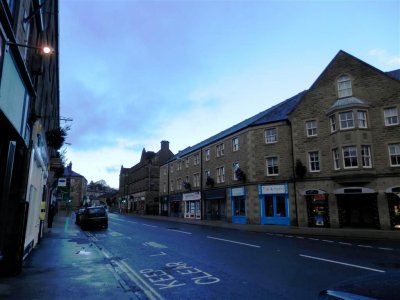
(94, 217)
(78, 215)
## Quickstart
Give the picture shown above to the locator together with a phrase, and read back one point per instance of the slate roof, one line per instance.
(394, 74)
(275, 113)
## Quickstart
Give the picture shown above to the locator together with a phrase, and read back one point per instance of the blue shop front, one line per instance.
(274, 204)
(238, 204)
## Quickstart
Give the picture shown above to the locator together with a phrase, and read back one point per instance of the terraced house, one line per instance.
(327, 157)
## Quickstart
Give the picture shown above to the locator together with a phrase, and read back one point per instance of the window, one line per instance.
(350, 157)
(179, 184)
(335, 155)
(187, 162)
(207, 173)
(391, 116)
(313, 159)
(164, 187)
(172, 168)
(346, 120)
(271, 135)
(239, 205)
(235, 144)
(272, 166)
(362, 119)
(196, 180)
(311, 128)
(196, 159)
(165, 171)
(207, 154)
(220, 175)
(394, 154)
(332, 122)
(220, 150)
(172, 185)
(366, 156)
(235, 166)
(179, 165)
(344, 86)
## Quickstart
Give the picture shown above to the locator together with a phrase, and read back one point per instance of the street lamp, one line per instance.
(46, 50)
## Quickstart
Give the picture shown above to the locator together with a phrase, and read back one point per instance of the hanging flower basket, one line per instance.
(55, 138)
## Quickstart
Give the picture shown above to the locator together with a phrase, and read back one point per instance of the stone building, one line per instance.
(139, 185)
(74, 194)
(329, 156)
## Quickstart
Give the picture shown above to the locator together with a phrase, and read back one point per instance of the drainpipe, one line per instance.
(294, 173)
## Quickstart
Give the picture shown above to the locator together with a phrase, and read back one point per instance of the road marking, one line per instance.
(148, 225)
(341, 263)
(180, 231)
(347, 244)
(327, 241)
(313, 239)
(229, 241)
(364, 246)
(382, 248)
(154, 245)
(300, 237)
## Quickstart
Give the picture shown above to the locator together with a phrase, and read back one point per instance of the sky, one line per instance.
(134, 73)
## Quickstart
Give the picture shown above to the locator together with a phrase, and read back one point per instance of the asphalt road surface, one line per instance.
(168, 260)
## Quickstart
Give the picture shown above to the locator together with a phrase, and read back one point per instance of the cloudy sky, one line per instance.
(134, 73)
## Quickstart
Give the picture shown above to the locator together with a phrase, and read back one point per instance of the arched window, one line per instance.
(344, 86)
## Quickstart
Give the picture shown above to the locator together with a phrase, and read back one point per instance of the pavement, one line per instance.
(67, 264)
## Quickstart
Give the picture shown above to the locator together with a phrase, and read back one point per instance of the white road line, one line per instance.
(327, 241)
(382, 248)
(148, 225)
(180, 231)
(229, 241)
(313, 239)
(341, 263)
(364, 246)
(300, 237)
(347, 244)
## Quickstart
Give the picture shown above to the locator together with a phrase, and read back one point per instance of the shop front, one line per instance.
(274, 204)
(192, 205)
(357, 207)
(317, 208)
(393, 198)
(215, 204)
(175, 202)
(238, 202)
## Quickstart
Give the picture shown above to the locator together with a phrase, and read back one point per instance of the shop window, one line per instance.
(346, 120)
(394, 154)
(275, 206)
(239, 206)
(391, 116)
(271, 135)
(344, 86)
(311, 127)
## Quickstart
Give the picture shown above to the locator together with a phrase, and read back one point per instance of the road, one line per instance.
(166, 260)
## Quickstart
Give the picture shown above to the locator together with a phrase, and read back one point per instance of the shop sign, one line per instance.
(274, 189)
(238, 192)
(62, 182)
(319, 197)
(191, 196)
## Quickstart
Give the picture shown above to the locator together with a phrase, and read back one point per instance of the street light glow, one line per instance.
(47, 50)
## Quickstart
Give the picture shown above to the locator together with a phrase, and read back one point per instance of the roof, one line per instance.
(275, 113)
(348, 101)
(394, 74)
(69, 173)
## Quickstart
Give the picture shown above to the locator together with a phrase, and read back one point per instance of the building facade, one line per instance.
(73, 193)
(327, 157)
(29, 109)
(139, 185)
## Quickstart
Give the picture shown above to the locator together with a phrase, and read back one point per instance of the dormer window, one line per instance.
(344, 86)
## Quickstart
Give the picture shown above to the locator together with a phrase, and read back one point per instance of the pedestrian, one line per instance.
(51, 215)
